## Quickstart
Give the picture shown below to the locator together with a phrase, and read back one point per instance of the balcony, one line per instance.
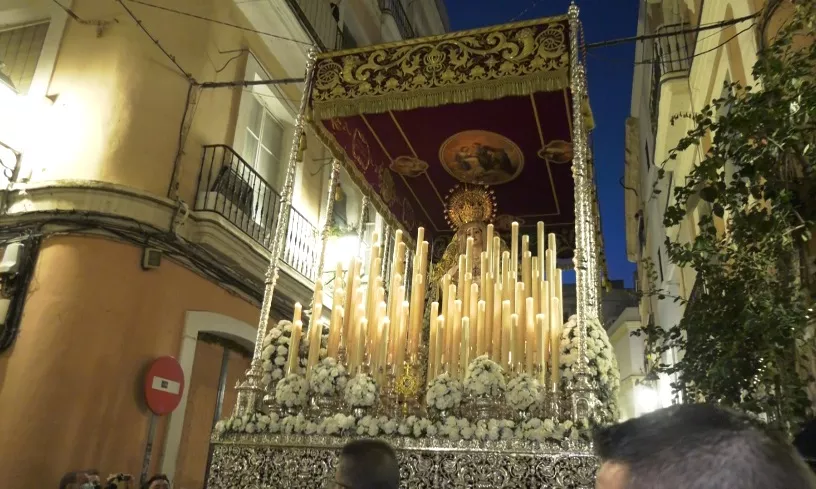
(672, 54)
(317, 18)
(231, 188)
(395, 9)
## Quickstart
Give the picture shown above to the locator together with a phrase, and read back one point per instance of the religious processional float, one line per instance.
(454, 350)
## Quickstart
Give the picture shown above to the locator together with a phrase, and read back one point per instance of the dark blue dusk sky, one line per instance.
(610, 86)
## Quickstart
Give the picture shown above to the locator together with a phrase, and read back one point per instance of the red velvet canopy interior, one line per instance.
(531, 172)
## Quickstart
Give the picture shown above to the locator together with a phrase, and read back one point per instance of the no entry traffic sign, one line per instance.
(164, 385)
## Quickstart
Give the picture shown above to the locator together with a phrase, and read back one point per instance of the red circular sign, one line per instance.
(164, 385)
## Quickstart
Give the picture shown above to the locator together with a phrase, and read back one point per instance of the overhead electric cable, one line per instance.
(713, 25)
(221, 22)
(156, 42)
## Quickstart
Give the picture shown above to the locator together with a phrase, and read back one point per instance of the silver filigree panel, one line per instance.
(237, 466)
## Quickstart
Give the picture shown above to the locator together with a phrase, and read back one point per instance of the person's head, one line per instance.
(696, 446)
(80, 479)
(158, 481)
(367, 464)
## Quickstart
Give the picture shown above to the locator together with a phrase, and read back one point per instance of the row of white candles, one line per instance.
(512, 311)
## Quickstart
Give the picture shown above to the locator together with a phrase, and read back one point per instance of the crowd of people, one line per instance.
(90, 479)
(696, 446)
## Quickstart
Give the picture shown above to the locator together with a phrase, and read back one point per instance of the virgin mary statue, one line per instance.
(468, 210)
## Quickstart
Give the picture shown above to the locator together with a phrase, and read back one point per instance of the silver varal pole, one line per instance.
(582, 395)
(251, 390)
(324, 234)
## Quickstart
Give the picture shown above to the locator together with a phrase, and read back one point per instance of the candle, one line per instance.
(515, 352)
(334, 332)
(481, 332)
(489, 248)
(465, 348)
(543, 332)
(451, 337)
(420, 239)
(507, 337)
(432, 341)
(530, 339)
(400, 347)
(461, 280)
(400, 257)
(496, 329)
(297, 314)
(351, 299)
(473, 312)
(466, 291)
(525, 247)
(540, 246)
(555, 343)
(496, 257)
(446, 282)
(527, 272)
(483, 271)
(469, 255)
(361, 346)
(440, 322)
(514, 230)
(536, 288)
(488, 324)
(457, 339)
(559, 290)
(508, 290)
(383, 355)
(292, 366)
(519, 327)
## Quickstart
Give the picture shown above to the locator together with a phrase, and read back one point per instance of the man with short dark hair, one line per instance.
(696, 446)
(367, 464)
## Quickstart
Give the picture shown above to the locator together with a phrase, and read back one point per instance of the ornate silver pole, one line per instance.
(251, 390)
(324, 234)
(361, 224)
(582, 395)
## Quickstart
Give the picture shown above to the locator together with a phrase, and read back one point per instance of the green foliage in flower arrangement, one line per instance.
(744, 334)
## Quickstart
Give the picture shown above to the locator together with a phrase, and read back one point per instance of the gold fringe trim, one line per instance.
(550, 81)
(443, 37)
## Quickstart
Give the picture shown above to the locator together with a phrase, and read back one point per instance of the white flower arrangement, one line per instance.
(522, 392)
(451, 428)
(444, 393)
(275, 351)
(361, 391)
(248, 423)
(603, 366)
(484, 377)
(328, 377)
(291, 391)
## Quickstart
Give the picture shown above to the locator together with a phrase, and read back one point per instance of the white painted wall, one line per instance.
(197, 322)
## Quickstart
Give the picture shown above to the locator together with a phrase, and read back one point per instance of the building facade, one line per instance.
(676, 73)
(143, 147)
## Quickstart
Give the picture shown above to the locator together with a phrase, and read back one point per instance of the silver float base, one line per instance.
(305, 462)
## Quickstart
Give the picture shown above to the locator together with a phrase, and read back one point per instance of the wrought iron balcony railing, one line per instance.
(230, 187)
(397, 11)
(320, 19)
(672, 54)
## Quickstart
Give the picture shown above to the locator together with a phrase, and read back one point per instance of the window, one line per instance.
(265, 123)
(20, 49)
(263, 138)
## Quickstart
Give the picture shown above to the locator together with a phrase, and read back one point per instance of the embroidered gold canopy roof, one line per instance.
(414, 119)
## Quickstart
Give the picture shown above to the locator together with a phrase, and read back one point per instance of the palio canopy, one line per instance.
(412, 119)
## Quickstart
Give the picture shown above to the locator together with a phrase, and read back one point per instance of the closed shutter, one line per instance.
(20, 50)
